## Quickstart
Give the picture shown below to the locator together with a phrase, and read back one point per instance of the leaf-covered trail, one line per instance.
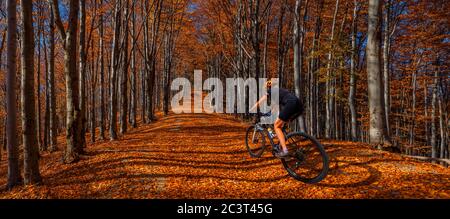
(204, 156)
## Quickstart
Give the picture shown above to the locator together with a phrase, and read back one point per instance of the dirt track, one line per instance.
(204, 156)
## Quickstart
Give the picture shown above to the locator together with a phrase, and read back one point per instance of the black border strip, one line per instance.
(169, 208)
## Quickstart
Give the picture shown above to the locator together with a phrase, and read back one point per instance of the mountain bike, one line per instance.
(307, 160)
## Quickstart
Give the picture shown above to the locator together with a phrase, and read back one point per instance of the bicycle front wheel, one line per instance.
(308, 161)
(255, 141)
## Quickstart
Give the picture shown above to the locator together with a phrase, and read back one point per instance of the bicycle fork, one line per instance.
(253, 137)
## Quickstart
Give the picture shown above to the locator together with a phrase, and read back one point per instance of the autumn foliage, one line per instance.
(101, 70)
(203, 156)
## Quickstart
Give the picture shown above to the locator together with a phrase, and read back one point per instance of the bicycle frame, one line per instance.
(296, 155)
(264, 128)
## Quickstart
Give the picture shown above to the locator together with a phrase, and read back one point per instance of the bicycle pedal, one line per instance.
(289, 158)
(276, 147)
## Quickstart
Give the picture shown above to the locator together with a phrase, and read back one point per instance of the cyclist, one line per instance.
(291, 108)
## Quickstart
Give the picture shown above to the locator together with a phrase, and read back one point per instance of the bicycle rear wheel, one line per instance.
(255, 141)
(308, 161)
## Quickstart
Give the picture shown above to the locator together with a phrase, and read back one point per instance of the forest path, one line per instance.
(204, 156)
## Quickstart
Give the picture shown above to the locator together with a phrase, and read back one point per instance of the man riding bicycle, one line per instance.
(291, 108)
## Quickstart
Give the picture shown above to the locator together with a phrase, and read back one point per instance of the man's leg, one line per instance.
(278, 126)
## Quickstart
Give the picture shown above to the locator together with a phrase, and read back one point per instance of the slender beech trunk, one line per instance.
(375, 86)
(353, 77)
(265, 52)
(113, 73)
(51, 86)
(314, 74)
(93, 118)
(298, 57)
(281, 45)
(329, 80)
(82, 76)
(4, 139)
(143, 93)
(123, 89)
(150, 60)
(38, 87)
(47, 100)
(133, 112)
(102, 76)
(73, 116)
(168, 59)
(3, 120)
(425, 89)
(29, 135)
(442, 127)
(386, 73)
(312, 98)
(434, 145)
(413, 112)
(337, 87)
(147, 73)
(297, 48)
(14, 177)
(255, 29)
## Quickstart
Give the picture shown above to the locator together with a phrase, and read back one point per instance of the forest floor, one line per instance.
(204, 156)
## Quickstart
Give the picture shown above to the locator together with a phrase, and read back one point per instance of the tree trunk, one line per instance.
(377, 122)
(425, 89)
(434, 145)
(73, 117)
(386, 73)
(298, 58)
(147, 93)
(297, 49)
(265, 52)
(150, 61)
(329, 80)
(337, 87)
(93, 65)
(133, 112)
(102, 77)
(314, 74)
(38, 88)
(29, 135)
(14, 177)
(144, 94)
(401, 111)
(93, 118)
(124, 76)
(168, 59)
(281, 47)
(47, 100)
(82, 76)
(4, 136)
(51, 75)
(3, 120)
(113, 74)
(413, 112)
(353, 77)
(442, 128)
(147, 72)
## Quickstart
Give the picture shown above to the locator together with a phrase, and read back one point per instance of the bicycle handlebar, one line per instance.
(269, 114)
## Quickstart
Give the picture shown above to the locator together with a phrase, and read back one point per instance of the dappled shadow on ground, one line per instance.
(204, 156)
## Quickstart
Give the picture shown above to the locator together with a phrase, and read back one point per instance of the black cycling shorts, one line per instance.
(291, 110)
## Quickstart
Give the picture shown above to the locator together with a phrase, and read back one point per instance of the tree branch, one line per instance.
(55, 8)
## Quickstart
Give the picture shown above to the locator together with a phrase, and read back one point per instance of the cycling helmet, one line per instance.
(268, 84)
